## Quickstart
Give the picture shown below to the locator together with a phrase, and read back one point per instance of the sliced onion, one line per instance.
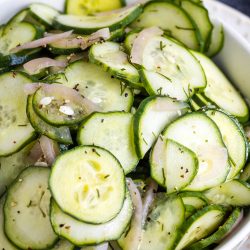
(36, 153)
(148, 199)
(103, 34)
(141, 41)
(70, 94)
(42, 41)
(35, 65)
(85, 42)
(49, 148)
(168, 105)
(31, 88)
(134, 235)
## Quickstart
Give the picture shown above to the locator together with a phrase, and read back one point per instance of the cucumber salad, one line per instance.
(118, 131)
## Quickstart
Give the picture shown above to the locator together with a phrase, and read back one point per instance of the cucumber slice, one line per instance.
(216, 40)
(98, 86)
(80, 233)
(173, 165)
(181, 166)
(18, 18)
(5, 243)
(89, 24)
(151, 117)
(43, 13)
(234, 138)
(88, 183)
(200, 225)
(170, 69)
(63, 245)
(83, 7)
(220, 91)
(16, 130)
(59, 106)
(171, 18)
(220, 233)
(13, 165)
(19, 34)
(26, 210)
(234, 193)
(110, 56)
(112, 131)
(200, 134)
(245, 175)
(199, 15)
(195, 199)
(59, 134)
(162, 225)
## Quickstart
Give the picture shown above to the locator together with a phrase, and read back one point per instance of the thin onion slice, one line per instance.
(70, 94)
(42, 41)
(141, 41)
(134, 235)
(148, 199)
(31, 88)
(37, 64)
(85, 42)
(49, 148)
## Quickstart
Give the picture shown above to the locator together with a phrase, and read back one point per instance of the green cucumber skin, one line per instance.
(219, 234)
(126, 21)
(194, 217)
(63, 51)
(194, 194)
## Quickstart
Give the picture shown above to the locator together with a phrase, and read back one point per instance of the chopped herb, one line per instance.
(94, 151)
(154, 134)
(145, 141)
(182, 176)
(123, 87)
(162, 227)
(61, 225)
(164, 175)
(169, 79)
(159, 90)
(126, 95)
(98, 193)
(106, 176)
(22, 125)
(123, 69)
(102, 120)
(162, 46)
(178, 67)
(184, 28)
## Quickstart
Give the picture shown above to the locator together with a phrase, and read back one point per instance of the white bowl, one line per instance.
(234, 59)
